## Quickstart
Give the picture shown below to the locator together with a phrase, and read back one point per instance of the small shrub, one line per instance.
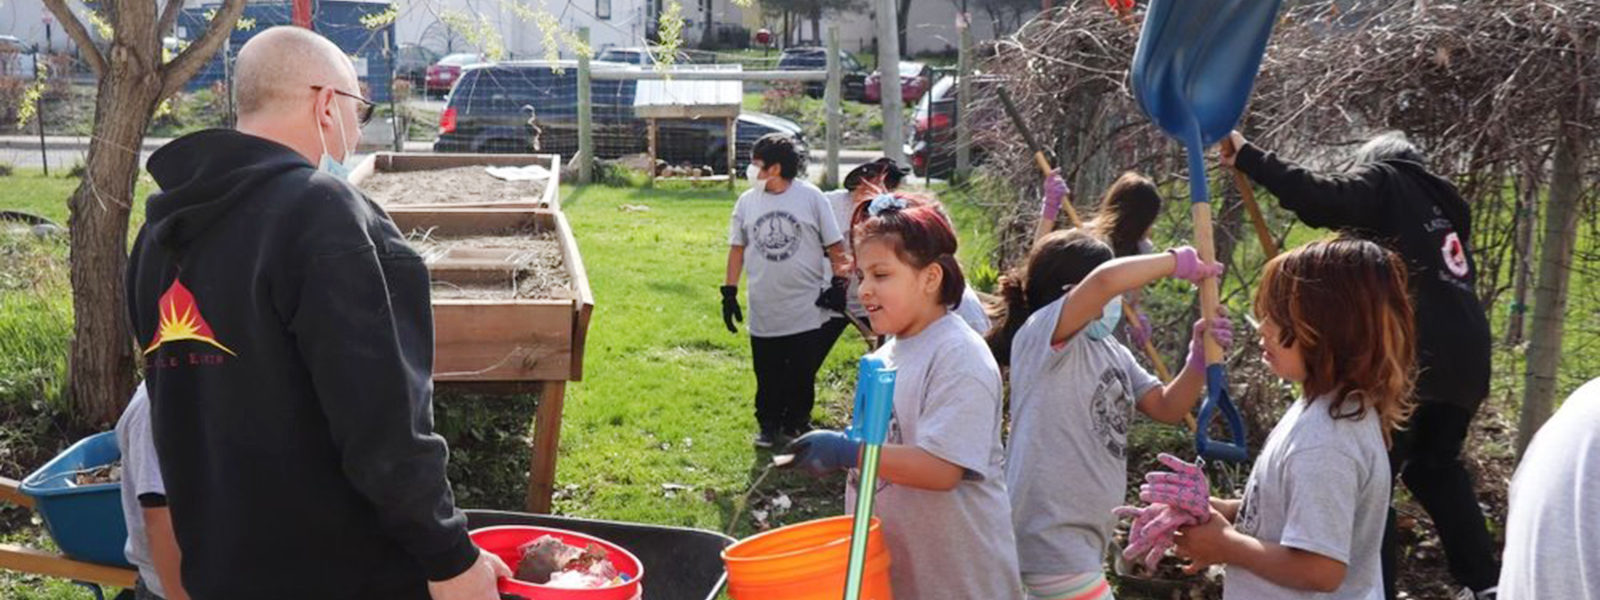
(6, 170)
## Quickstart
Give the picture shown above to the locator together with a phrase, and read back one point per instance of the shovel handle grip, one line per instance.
(1247, 193)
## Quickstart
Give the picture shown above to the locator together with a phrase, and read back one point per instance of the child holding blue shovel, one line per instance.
(942, 498)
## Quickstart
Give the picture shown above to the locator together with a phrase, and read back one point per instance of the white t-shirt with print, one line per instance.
(957, 544)
(784, 237)
(1320, 485)
(1067, 465)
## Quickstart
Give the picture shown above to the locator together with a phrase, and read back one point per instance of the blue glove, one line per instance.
(822, 452)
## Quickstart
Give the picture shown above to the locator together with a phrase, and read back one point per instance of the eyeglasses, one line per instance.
(367, 106)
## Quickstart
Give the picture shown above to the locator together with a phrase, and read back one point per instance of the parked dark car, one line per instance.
(915, 78)
(852, 76)
(933, 141)
(443, 74)
(489, 108)
(412, 62)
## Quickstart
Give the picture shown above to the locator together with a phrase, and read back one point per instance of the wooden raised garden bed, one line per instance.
(511, 299)
(459, 180)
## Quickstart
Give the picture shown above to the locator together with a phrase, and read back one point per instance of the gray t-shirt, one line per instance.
(954, 545)
(783, 236)
(1067, 466)
(971, 311)
(1320, 485)
(842, 205)
(141, 475)
(1553, 529)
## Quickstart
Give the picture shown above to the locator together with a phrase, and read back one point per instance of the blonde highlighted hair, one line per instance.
(1343, 303)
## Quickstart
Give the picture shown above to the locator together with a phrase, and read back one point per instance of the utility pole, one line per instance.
(889, 80)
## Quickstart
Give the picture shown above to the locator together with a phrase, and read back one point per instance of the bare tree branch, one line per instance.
(169, 17)
(176, 73)
(79, 34)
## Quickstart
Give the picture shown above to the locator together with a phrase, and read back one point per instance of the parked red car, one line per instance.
(443, 74)
(915, 78)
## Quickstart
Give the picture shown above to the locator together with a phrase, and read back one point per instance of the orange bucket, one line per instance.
(806, 561)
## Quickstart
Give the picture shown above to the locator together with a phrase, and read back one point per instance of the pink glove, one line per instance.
(1055, 188)
(1221, 329)
(1184, 488)
(1189, 267)
(1139, 334)
(1150, 535)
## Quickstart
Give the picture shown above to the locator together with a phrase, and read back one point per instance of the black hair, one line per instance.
(893, 174)
(777, 149)
(1061, 259)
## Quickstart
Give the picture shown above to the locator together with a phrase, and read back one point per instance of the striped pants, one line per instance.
(1085, 586)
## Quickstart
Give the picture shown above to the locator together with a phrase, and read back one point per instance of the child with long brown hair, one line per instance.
(941, 492)
(1074, 389)
(1127, 212)
(1336, 319)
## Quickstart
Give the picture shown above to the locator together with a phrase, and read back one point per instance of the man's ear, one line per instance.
(324, 107)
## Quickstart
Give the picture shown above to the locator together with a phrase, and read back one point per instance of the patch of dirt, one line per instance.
(460, 185)
(535, 268)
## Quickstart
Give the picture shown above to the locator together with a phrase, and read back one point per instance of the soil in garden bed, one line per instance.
(460, 185)
(535, 268)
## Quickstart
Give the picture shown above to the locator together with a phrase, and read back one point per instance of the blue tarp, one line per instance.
(339, 20)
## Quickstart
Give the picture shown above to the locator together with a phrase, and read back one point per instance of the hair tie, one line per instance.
(883, 203)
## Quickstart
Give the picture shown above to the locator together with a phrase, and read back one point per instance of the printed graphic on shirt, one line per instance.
(1113, 400)
(1248, 511)
(777, 235)
(180, 320)
(1455, 255)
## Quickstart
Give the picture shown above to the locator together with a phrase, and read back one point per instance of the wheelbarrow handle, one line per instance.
(11, 492)
(1216, 402)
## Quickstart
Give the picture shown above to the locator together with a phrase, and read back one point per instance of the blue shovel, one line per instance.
(1192, 74)
(869, 425)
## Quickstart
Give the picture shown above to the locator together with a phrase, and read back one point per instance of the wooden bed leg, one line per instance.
(546, 442)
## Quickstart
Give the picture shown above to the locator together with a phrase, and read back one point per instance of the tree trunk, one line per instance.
(102, 353)
(1522, 254)
(1550, 292)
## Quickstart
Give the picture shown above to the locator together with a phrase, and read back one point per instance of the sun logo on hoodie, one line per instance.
(181, 320)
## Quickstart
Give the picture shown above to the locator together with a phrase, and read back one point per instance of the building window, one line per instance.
(602, 9)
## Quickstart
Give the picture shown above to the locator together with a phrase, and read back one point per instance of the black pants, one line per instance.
(1427, 457)
(831, 331)
(786, 378)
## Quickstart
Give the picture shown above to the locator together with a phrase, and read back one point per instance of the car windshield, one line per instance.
(803, 58)
(460, 59)
(944, 89)
(632, 57)
(911, 69)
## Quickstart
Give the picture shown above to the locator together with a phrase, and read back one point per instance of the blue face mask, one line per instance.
(1104, 326)
(336, 168)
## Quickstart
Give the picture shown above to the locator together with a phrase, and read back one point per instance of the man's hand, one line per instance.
(476, 583)
(1230, 150)
(730, 307)
(1206, 544)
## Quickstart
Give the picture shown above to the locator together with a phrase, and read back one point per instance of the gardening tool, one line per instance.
(869, 426)
(1192, 74)
(1038, 158)
(865, 330)
(1247, 193)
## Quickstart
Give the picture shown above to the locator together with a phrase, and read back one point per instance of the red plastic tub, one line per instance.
(505, 540)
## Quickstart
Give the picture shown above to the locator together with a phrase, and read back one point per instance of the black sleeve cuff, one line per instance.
(153, 500)
(451, 561)
(1249, 159)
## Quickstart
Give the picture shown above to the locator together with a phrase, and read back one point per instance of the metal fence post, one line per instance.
(830, 178)
(963, 100)
(585, 155)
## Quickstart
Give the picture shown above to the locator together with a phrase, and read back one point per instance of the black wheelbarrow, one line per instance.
(679, 563)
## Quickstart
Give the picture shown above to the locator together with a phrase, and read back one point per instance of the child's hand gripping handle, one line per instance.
(874, 401)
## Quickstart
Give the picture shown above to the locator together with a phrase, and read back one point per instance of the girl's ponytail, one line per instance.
(1014, 311)
(1058, 260)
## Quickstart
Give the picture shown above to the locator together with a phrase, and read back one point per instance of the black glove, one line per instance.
(822, 452)
(730, 307)
(833, 298)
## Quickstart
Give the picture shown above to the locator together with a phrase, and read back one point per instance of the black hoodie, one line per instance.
(288, 344)
(1421, 217)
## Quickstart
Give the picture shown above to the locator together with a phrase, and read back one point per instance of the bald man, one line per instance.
(288, 345)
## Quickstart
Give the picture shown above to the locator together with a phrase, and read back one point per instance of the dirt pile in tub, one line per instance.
(523, 264)
(460, 185)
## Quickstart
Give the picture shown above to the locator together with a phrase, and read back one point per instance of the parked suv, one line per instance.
(489, 108)
(852, 76)
(933, 141)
